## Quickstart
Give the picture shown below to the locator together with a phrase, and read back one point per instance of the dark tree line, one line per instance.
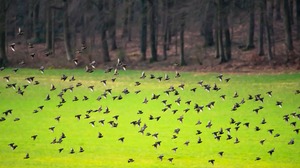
(158, 24)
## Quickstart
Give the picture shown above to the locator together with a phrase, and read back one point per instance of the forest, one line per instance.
(194, 34)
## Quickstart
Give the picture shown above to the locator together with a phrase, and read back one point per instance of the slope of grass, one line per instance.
(109, 152)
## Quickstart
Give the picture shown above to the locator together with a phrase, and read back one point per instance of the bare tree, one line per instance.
(261, 27)
(3, 9)
(153, 30)
(143, 34)
(298, 18)
(251, 25)
(67, 32)
(112, 24)
(287, 24)
(182, 28)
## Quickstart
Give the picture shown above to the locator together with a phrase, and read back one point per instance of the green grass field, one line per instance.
(108, 151)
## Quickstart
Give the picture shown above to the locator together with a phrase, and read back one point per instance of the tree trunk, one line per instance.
(182, 27)
(292, 11)
(153, 8)
(227, 37)
(298, 18)
(278, 11)
(103, 30)
(287, 25)
(143, 36)
(269, 28)
(67, 32)
(261, 28)
(165, 17)
(36, 24)
(207, 28)
(3, 58)
(250, 42)
(131, 18)
(125, 19)
(112, 25)
(49, 23)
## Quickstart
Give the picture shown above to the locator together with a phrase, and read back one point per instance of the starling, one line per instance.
(212, 161)
(160, 157)
(221, 153)
(121, 139)
(81, 149)
(291, 142)
(72, 151)
(130, 160)
(279, 104)
(34, 137)
(271, 151)
(262, 141)
(143, 76)
(26, 156)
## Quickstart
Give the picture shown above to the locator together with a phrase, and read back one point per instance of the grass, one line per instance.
(109, 152)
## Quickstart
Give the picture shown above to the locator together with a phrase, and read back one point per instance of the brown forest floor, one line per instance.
(198, 58)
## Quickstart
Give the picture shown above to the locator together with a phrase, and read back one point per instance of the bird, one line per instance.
(12, 47)
(221, 153)
(279, 104)
(160, 157)
(212, 161)
(13, 146)
(81, 149)
(130, 160)
(52, 128)
(262, 141)
(34, 137)
(72, 151)
(291, 142)
(60, 150)
(26, 156)
(271, 151)
(121, 139)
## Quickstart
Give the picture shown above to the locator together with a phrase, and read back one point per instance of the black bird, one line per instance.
(262, 141)
(297, 130)
(57, 118)
(269, 93)
(212, 161)
(236, 141)
(276, 135)
(60, 150)
(13, 146)
(81, 149)
(143, 76)
(160, 157)
(34, 137)
(121, 139)
(199, 140)
(130, 160)
(209, 124)
(271, 151)
(47, 98)
(186, 143)
(221, 153)
(100, 135)
(257, 158)
(72, 151)
(12, 47)
(6, 78)
(220, 77)
(170, 160)
(174, 149)
(52, 128)
(263, 121)
(64, 77)
(279, 104)
(26, 156)
(291, 142)
(293, 123)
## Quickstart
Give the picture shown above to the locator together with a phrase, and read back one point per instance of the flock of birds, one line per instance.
(172, 92)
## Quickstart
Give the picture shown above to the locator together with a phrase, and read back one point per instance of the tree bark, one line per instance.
(36, 23)
(125, 19)
(182, 27)
(112, 25)
(207, 28)
(165, 17)
(261, 28)
(49, 23)
(269, 28)
(67, 32)
(291, 11)
(3, 58)
(227, 37)
(143, 36)
(278, 11)
(287, 25)
(298, 18)
(250, 42)
(153, 15)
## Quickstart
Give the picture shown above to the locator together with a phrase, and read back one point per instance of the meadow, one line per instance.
(243, 120)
